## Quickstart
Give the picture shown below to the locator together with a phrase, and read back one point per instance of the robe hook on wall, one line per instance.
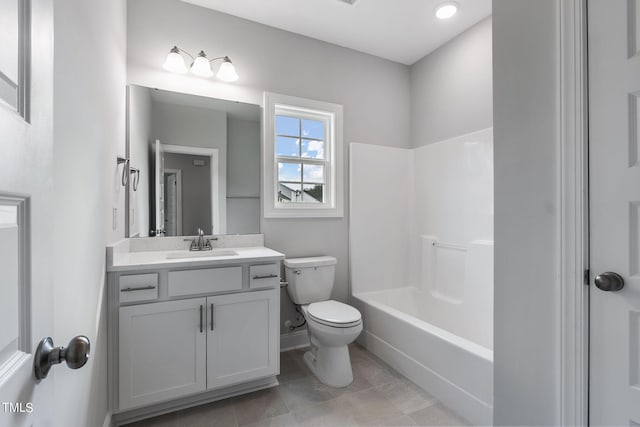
(125, 175)
(135, 172)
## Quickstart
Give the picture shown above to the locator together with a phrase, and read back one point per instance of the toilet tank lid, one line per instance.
(318, 261)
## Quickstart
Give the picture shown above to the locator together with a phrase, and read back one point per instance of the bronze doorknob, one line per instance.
(75, 354)
(609, 282)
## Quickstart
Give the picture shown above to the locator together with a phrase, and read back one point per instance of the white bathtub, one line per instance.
(421, 264)
(457, 371)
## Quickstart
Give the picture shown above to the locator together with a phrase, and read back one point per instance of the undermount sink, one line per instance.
(202, 254)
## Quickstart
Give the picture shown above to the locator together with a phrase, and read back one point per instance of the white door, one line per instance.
(161, 351)
(173, 202)
(242, 343)
(614, 138)
(159, 189)
(26, 152)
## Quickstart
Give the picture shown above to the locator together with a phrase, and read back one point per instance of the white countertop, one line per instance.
(145, 260)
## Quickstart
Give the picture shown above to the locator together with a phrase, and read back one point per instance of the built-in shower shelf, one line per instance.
(453, 246)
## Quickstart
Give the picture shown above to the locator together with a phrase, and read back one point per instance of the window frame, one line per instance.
(331, 114)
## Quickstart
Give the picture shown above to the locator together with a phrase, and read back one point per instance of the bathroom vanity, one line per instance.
(190, 327)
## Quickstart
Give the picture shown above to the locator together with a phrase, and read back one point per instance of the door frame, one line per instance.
(218, 191)
(178, 174)
(574, 218)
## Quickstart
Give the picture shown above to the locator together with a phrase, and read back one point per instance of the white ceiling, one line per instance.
(399, 30)
(234, 109)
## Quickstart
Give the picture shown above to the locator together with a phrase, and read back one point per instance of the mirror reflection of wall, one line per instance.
(217, 192)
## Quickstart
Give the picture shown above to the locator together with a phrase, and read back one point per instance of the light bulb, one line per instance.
(201, 66)
(227, 71)
(175, 62)
(446, 10)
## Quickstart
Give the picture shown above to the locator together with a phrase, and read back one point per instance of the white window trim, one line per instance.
(334, 207)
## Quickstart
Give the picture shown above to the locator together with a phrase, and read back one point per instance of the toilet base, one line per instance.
(331, 365)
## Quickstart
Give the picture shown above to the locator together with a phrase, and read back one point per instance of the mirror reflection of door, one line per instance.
(173, 202)
(158, 196)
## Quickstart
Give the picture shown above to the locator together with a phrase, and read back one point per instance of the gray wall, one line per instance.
(89, 133)
(527, 249)
(375, 94)
(194, 127)
(451, 88)
(243, 176)
(196, 191)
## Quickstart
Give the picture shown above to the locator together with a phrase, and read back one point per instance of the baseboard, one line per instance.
(466, 405)
(161, 408)
(107, 420)
(293, 340)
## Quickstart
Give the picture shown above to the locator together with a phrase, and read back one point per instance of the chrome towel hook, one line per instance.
(136, 178)
(125, 169)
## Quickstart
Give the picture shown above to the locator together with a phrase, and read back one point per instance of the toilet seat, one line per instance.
(333, 314)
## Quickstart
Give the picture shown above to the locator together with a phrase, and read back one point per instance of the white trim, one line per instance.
(21, 348)
(218, 191)
(334, 208)
(574, 308)
(22, 86)
(178, 174)
(13, 365)
(107, 420)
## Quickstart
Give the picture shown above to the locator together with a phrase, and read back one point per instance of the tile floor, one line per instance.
(378, 396)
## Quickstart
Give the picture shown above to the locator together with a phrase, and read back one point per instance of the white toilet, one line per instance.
(332, 325)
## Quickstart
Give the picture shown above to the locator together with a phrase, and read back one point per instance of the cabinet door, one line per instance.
(243, 337)
(162, 351)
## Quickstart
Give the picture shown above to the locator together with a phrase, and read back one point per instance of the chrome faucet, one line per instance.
(200, 243)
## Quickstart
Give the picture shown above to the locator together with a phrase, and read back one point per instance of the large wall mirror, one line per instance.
(194, 165)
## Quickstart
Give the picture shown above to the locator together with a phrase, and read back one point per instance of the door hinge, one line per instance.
(587, 277)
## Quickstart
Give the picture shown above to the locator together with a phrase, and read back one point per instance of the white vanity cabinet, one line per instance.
(162, 351)
(185, 334)
(241, 334)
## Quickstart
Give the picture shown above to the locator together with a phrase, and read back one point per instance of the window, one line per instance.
(302, 158)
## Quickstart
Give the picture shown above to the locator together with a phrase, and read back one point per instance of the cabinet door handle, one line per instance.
(212, 317)
(141, 288)
(200, 318)
(270, 276)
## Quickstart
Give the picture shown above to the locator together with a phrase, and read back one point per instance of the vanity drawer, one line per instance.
(205, 281)
(264, 276)
(138, 287)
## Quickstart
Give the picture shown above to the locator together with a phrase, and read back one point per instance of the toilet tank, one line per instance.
(310, 279)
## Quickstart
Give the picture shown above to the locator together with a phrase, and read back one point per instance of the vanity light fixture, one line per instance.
(201, 65)
(446, 10)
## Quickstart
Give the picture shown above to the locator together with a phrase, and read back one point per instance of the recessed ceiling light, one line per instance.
(446, 10)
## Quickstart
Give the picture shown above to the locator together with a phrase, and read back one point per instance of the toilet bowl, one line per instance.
(329, 357)
(331, 325)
